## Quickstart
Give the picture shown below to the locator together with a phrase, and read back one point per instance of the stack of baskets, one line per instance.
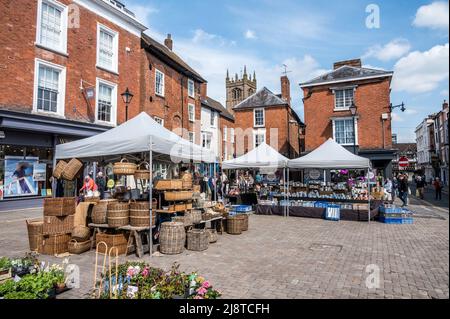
(35, 236)
(140, 214)
(59, 169)
(124, 167)
(172, 238)
(187, 180)
(197, 239)
(99, 212)
(118, 214)
(71, 169)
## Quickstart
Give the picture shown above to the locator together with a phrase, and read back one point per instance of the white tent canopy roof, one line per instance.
(134, 136)
(263, 156)
(330, 155)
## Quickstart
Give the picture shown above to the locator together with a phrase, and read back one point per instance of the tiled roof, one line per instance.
(217, 106)
(262, 98)
(346, 73)
(178, 62)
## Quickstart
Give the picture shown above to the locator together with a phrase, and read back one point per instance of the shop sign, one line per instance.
(19, 176)
(314, 174)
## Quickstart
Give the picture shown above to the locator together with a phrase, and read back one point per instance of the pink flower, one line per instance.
(201, 291)
(145, 272)
(198, 297)
(206, 284)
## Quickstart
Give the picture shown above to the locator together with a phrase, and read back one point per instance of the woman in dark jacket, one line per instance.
(403, 189)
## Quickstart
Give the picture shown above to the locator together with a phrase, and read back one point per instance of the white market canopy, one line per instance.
(330, 155)
(134, 136)
(263, 156)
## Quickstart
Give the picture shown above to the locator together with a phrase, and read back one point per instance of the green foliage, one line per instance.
(5, 263)
(21, 295)
(39, 284)
(7, 287)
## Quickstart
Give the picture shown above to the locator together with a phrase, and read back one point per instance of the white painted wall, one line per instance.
(213, 129)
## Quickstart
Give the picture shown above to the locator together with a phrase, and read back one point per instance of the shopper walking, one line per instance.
(437, 188)
(420, 185)
(403, 190)
(394, 188)
(101, 184)
(388, 189)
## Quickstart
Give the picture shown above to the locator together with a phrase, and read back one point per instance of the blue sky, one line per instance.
(308, 36)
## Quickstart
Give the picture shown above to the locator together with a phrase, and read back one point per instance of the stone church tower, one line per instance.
(239, 89)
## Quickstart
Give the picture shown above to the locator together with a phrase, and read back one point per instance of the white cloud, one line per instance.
(434, 16)
(250, 34)
(396, 117)
(390, 51)
(421, 72)
(444, 92)
(142, 12)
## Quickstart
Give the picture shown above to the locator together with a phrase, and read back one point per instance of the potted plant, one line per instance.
(5, 268)
(59, 278)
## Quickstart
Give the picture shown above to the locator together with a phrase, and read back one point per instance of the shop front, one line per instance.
(27, 146)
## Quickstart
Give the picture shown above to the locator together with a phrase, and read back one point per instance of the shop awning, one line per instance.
(263, 156)
(330, 155)
(134, 136)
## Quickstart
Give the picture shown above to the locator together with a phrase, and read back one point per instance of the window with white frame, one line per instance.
(49, 88)
(258, 117)
(159, 83)
(225, 133)
(206, 140)
(191, 111)
(225, 152)
(344, 131)
(343, 98)
(159, 120)
(232, 135)
(259, 137)
(213, 119)
(106, 102)
(52, 25)
(191, 88)
(192, 137)
(107, 48)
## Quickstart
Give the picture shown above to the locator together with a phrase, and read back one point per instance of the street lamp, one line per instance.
(353, 110)
(127, 96)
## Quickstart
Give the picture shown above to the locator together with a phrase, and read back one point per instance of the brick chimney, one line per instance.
(445, 105)
(355, 63)
(204, 90)
(286, 89)
(168, 42)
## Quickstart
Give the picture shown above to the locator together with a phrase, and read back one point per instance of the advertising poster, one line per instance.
(19, 176)
(39, 172)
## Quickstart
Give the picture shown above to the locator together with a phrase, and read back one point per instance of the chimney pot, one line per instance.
(168, 42)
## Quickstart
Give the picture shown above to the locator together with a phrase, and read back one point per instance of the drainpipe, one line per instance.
(182, 103)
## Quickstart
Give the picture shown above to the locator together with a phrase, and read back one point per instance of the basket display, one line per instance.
(92, 199)
(186, 219)
(120, 241)
(172, 238)
(59, 169)
(140, 214)
(62, 206)
(244, 222)
(54, 225)
(165, 184)
(234, 225)
(142, 173)
(212, 235)
(35, 237)
(99, 211)
(71, 169)
(196, 216)
(118, 214)
(207, 216)
(55, 244)
(81, 233)
(181, 195)
(197, 239)
(78, 247)
(124, 167)
(177, 207)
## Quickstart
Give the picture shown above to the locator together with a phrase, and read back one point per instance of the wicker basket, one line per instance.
(140, 214)
(234, 225)
(244, 221)
(196, 188)
(54, 225)
(212, 235)
(81, 233)
(165, 184)
(124, 167)
(120, 241)
(62, 206)
(92, 199)
(207, 216)
(181, 195)
(172, 238)
(118, 214)
(35, 237)
(55, 244)
(143, 173)
(186, 219)
(59, 169)
(177, 207)
(78, 247)
(197, 239)
(99, 211)
(196, 216)
(71, 169)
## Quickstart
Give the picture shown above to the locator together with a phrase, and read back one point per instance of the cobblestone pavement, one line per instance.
(299, 257)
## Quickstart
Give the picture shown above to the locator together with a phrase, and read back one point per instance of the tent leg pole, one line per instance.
(287, 191)
(368, 191)
(150, 196)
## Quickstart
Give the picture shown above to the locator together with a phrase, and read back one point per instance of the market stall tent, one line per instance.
(263, 156)
(330, 155)
(134, 136)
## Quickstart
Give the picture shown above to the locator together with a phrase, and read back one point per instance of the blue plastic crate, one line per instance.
(242, 208)
(392, 220)
(321, 204)
(333, 212)
(390, 210)
(407, 221)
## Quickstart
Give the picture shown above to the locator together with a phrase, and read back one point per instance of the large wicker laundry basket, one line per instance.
(172, 238)
(35, 237)
(71, 169)
(118, 214)
(234, 225)
(197, 239)
(100, 210)
(244, 218)
(140, 214)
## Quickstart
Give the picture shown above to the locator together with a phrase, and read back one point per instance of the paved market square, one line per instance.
(298, 257)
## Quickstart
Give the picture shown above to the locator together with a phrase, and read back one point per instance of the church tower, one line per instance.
(238, 89)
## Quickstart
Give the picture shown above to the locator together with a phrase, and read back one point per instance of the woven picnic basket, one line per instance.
(99, 211)
(180, 195)
(78, 247)
(54, 225)
(142, 172)
(212, 235)
(140, 214)
(124, 167)
(59, 169)
(81, 233)
(165, 184)
(35, 237)
(234, 225)
(197, 239)
(172, 238)
(118, 214)
(71, 169)
(61, 206)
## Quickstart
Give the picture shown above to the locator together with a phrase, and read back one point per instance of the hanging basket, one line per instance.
(59, 169)
(71, 169)
(142, 173)
(124, 167)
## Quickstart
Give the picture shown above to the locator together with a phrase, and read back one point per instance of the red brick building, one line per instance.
(327, 101)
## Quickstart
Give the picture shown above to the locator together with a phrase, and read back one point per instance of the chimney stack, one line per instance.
(286, 89)
(355, 63)
(204, 90)
(168, 42)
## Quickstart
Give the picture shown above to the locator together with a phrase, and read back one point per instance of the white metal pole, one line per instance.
(368, 188)
(288, 192)
(150, 196)
(215, 182)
